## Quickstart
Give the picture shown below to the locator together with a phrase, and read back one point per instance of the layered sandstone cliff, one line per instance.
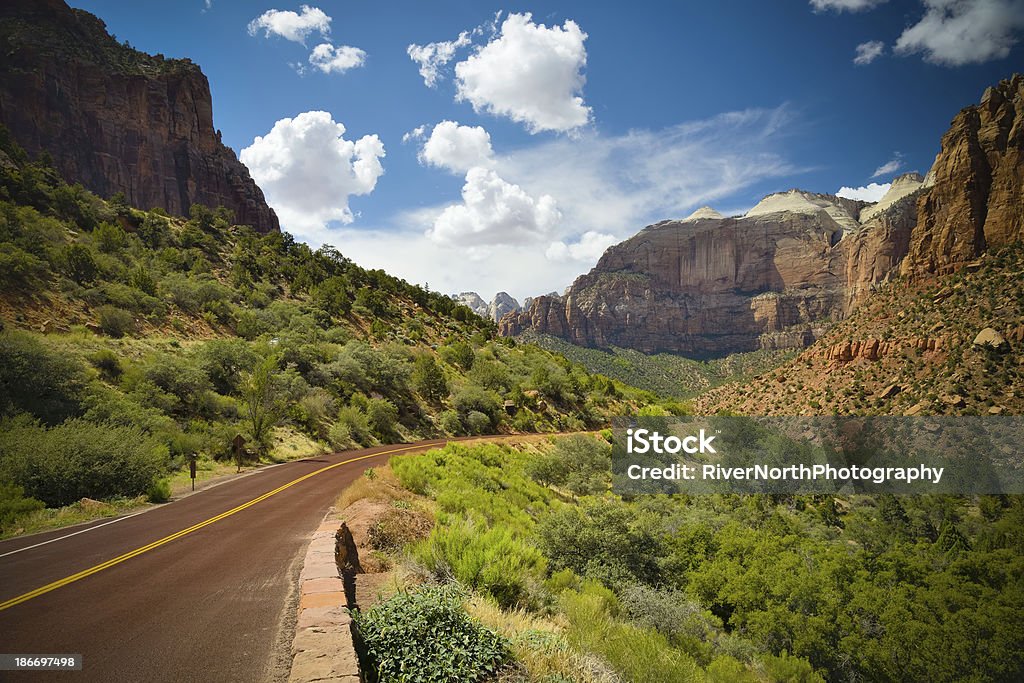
(777, 276)
(977, 200)
(710, 286)
(116, 119)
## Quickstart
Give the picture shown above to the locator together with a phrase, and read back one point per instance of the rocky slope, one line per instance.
(116, 119)
(938, 346)
(778, 276)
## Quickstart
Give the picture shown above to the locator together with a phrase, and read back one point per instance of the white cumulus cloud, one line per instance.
(331, 59)
(845, 5)
(308, 171)
(495, 212)
(611, 185)
(417, 133)
(868, 52)
(432, 56)
(958, 32)
(456, 148)
(529, 73)
(891, 166)
(588, 248)
(867, 193)
(294, 26)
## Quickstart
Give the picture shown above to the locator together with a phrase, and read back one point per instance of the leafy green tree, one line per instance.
(79, 264)
(110, 238)
(428, 378)
(382, 416)
(262, 405)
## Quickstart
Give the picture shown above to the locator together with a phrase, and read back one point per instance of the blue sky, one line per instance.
(570, 128)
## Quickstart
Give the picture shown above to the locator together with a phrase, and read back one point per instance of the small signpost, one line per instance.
(192, 469)
(238, 448)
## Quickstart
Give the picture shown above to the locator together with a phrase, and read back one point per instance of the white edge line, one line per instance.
(61, 538)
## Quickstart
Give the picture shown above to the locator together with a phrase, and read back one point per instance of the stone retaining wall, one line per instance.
(323, 650)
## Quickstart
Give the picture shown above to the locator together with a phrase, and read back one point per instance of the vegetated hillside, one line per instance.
(582, 585)
(132, 340)
(665, 374)
(910, 349)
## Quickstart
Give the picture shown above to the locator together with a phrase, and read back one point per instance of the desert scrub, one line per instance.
(426, 636)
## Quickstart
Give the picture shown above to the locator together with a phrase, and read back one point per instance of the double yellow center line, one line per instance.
(184, 532)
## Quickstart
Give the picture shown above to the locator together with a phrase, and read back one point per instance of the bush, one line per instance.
(450, 422)
(14, 504)
(224, 361)
(492, 561)
(601, 539)
(580, 463)
(107, 362)
(397, 528)
(159, 491)
(474, 398)
(352, 428)
(638, 654)
(33, 379)
(459, 354)
(79, 459)
(19, 269)
(115, 322)
(425, 636)
(428, 378)
(477, 422)
(110, 238)
(79, 263)
(381, 415)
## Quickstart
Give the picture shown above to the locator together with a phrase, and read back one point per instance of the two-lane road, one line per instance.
(196, 590)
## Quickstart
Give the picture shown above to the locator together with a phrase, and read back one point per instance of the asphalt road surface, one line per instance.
(195, 590)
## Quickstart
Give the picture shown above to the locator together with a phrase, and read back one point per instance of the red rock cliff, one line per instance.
(977, 201)
(116, 119)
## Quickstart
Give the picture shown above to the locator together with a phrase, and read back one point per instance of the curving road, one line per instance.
(195, 590)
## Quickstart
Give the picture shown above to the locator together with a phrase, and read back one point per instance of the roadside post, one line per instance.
(192, 469)
(238, 448)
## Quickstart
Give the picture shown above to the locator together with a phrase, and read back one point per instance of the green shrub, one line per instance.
(579, 462)
(37, 380)
(638, 654)
(115, 322)
(20, 269)
(110, 238)
(79, 263)
(477, 422)
(492, 561)
(426, 636)
(224, 361)
(351, 428)
(474, 398)
(107, 362)
(78, 459)
(159, 491)
(14, 504)
(449, 421)
(428, 378)
(382, 415)
(459, 354)
(601, 539)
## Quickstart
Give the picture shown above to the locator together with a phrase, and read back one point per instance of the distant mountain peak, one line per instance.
(704, 213)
